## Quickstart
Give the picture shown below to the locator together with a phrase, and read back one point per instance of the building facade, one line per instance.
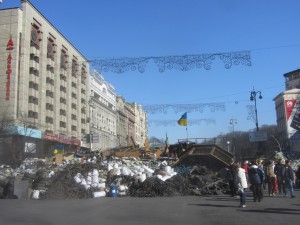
(287, 105)
(46, 79)
(103, 113)
(49, 97)
(122, 123)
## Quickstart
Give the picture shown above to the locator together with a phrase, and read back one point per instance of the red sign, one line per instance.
(8, 72)
(61, 138)
(289, 106)
(9, 47)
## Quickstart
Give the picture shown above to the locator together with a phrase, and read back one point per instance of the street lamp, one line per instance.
(233, 122)
(253, 98)
(228, 143)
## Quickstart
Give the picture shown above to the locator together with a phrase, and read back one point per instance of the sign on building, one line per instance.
(257, 136)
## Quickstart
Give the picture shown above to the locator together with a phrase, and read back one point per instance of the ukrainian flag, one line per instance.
(58, 149)
(183, 120)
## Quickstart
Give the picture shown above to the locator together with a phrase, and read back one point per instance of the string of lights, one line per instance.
(181, 63)
(177, 108)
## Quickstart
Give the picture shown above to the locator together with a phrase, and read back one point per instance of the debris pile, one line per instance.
(130, 177)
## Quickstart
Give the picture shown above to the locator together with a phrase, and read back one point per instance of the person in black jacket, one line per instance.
(231, 177)
(256, 179)
(278, 169)
(288, 179)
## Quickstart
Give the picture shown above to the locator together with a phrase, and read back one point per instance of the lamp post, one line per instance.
(228, 143)
(233, 122)
(253, 98)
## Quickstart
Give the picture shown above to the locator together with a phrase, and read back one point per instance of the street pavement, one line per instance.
(184, 210)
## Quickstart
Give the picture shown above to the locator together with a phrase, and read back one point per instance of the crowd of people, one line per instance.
(278, 178)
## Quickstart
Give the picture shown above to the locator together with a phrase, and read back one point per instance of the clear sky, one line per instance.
(269, 29)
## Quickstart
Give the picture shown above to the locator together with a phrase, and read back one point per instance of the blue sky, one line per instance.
(139, 28)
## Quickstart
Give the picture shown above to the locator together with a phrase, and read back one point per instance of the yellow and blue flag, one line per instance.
(58, 149)
(183, 120)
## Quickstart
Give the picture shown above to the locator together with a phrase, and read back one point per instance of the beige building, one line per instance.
(50, 97)
(44, 77)
(103, 113)
(141, 129)
(287, 106)
(122, 123)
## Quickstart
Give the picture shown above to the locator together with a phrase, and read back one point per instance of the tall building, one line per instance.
(103, 118)
(287, 106)
(45, 82)
(141, 129)
(122, 122)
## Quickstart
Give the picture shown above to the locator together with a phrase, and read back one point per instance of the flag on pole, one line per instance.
(183, 120)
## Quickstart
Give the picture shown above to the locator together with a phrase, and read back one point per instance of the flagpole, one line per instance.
(187, 134)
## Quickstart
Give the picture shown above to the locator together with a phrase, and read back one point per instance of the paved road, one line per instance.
(219, 209)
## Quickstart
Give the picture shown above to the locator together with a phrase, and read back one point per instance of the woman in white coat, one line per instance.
(241, 182)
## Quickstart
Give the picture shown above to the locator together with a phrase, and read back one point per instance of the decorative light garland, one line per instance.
(251, 112)
(181, 63)
(177, 108)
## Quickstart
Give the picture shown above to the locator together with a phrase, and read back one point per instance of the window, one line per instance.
(63, 59)
(49, 81)
(74, 67)
(33, 100)
(74, 117)
(49, 93)
(62, 112)
(73, 106)
(51, 48)
(74, 95)
(49, 106)
(62, 124)
(63, 89)
(63, 100)
(73, 128)
(49, 120)
(33, 85)
(32, 114)
(36, 35)
(63, 77)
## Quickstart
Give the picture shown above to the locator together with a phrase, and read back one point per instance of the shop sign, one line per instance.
(61, 138)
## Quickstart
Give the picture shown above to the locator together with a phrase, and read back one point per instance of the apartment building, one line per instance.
(45, 81)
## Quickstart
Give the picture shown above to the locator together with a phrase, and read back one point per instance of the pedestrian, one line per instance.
(278, 169)
(288, 179)
(260, 165)
(271, 178)
(256, 179)
(245, 166)
(231, 177)
(241, 183)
